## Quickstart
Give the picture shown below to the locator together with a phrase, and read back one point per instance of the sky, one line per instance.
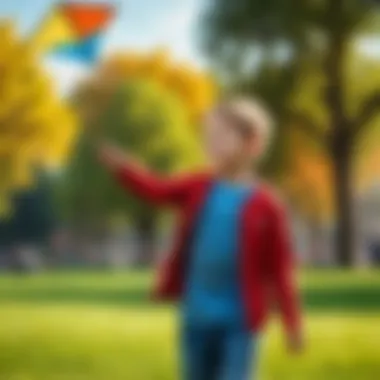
(139, 24)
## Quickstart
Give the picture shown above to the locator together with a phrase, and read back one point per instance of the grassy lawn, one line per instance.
(92, 325)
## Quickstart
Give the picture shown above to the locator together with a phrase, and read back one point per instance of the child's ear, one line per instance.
(255, 146)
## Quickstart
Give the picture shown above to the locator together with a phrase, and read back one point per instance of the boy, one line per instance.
(232, 253)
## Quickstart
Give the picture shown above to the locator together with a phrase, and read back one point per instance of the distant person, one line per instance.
(232, 252)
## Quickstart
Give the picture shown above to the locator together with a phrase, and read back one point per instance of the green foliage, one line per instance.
(148, 122)
(256, 28)
(277, 50)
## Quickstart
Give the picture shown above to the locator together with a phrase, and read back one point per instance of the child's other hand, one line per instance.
(296, 342)
(111, 156)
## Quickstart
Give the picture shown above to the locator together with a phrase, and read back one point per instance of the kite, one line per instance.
(73, 30)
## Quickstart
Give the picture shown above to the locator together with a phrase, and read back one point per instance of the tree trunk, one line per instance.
(345, 231)
(146, 232)
(340, 129)
(316, 245)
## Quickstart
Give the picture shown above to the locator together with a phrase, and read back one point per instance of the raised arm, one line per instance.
(134, 177)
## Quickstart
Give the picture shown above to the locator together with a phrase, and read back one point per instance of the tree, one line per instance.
(36, 128)
(193, 88)
(148, 104)
(151, 123)
(294, 35)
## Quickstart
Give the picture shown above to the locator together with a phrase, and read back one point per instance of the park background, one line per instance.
(76, 253)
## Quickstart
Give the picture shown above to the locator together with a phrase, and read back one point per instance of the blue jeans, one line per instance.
(217, 353)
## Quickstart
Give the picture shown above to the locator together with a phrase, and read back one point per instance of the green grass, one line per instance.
(327, 290)
(98, 326)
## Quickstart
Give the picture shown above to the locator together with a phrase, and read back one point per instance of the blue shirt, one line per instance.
(212, 289)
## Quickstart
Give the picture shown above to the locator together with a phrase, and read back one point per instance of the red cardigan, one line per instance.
(265, 255)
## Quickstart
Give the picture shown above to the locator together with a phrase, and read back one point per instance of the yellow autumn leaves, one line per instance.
(193, 88)
(36, 128)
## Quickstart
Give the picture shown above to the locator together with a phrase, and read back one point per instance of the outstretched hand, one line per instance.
(111, 156)
(296, 342)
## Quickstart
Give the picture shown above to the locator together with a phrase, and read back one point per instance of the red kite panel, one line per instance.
(86, 18)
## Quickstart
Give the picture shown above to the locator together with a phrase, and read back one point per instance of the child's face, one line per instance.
(225, 144)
